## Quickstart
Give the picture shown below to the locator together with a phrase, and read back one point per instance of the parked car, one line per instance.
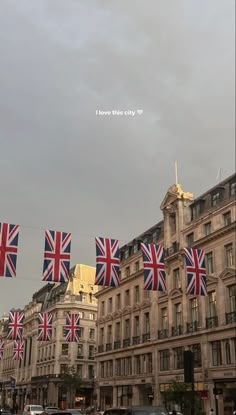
(58, 412)
(137, 410)
(33, 410)
(75, 411)
(51, 408)
(5, 411)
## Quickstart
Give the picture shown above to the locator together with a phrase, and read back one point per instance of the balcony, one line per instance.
(126, 342)
(136, 340)
(108, 347)
(162, 334)
(101, 348)
(117, 344)
(176, 331)
(146, 337)
(230, 317)
(191, 327)
(211, 322)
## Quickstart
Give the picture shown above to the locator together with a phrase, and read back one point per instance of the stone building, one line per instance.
(38, 377)
(142, 335)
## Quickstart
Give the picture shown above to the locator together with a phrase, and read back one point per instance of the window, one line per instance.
(176, 278)
(136, 266)
(118, 301)
(196, 349)
(127, 329)
(172, 223)
(136, 326)
(138, 365)
(194, 309)
(128, 366)
(127, 299)
(91, 334)
(164, 318)
(196, 210)
(232, 188)
(209, 263)
(136, 248)
(146, 294)
(81, 332)
(227, 353)
(91, 316)
(102, 308)
(90, 371)
(118, 367)
(215, 199)
(64, 349)
(80, 350)
(232, 298)
(127, 271)
(117, 331)
(178, 314)
(190, 239)
(110, 368)
(227, 218)
(110, 305)
(149, 363)
(109, 334)
(216, 353)
(146, 323)
(81, 314)
(63, 368)
(101, 336)
(136, 294)
(178, 357)
(102, 370)
(164, 360)
(91, 352)
(229, 255)
(207, 228)
(127, 253)
(212, 304)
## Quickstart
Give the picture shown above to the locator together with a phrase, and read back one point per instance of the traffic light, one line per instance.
(188, 366)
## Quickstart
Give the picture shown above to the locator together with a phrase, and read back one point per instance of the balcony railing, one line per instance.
(146, 337)
(136, 339)
(211, 322)
(163, 334)
(176, 331)
(101, 348)
(108, 347)
(230, 317)
(117, 344)
(191, 327)
(126, 342)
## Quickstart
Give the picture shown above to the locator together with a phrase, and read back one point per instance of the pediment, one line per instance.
(127, 310)
(108, 317)
(211, 279)
(176, 292)
(228, 273)
(146, 303)
(136, 306)
(174, 193)
(116, 314)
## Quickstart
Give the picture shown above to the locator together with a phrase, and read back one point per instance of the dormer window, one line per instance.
(127, 253)
(190, 239)
(215, 199)
(197, 208)
(233, 188)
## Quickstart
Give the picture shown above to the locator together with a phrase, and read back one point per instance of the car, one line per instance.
(33, 410)
(5, 411)
(51, 408)
(75, 411)
(177, 413)
(58, 412)
(137, 410)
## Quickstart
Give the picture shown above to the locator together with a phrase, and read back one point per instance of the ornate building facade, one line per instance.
(142, 335)
(38, 377)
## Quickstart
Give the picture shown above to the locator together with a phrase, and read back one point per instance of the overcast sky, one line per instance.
(63, 167)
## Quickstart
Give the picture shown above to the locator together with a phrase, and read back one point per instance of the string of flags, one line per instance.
(56, 264)
(15, 327)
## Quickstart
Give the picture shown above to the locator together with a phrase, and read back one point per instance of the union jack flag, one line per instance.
(1, 349)
(154, 267)
(107, 262)
(57, 256)
(45, 327)
(15, 325)
(18, 350)
(196, 271)
(72, 328)
(8, 249)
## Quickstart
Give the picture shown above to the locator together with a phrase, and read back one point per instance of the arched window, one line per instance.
(227, 352)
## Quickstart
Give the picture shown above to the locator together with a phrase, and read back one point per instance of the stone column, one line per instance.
(115, 397)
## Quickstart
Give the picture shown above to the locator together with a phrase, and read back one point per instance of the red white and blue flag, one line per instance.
(154, 267)
(107, 262)
(1, 349)
(196, 271)
(72, 328)
(9, 235)
(57, 256)
(45, 327)
(15, 325)
(18, 350)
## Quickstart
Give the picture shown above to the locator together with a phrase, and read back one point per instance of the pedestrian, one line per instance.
(174, 412)
(212, 412)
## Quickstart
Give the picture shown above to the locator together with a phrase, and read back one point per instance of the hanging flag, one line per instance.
(154, 267)
(18, 350)
(72, 328)
(15, 325)
(8, 249)
(57, 256)
(107, 262)
(196, 271)
(1, 349)
(45, 327)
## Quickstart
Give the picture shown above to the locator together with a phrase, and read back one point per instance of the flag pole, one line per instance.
(176, 172)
